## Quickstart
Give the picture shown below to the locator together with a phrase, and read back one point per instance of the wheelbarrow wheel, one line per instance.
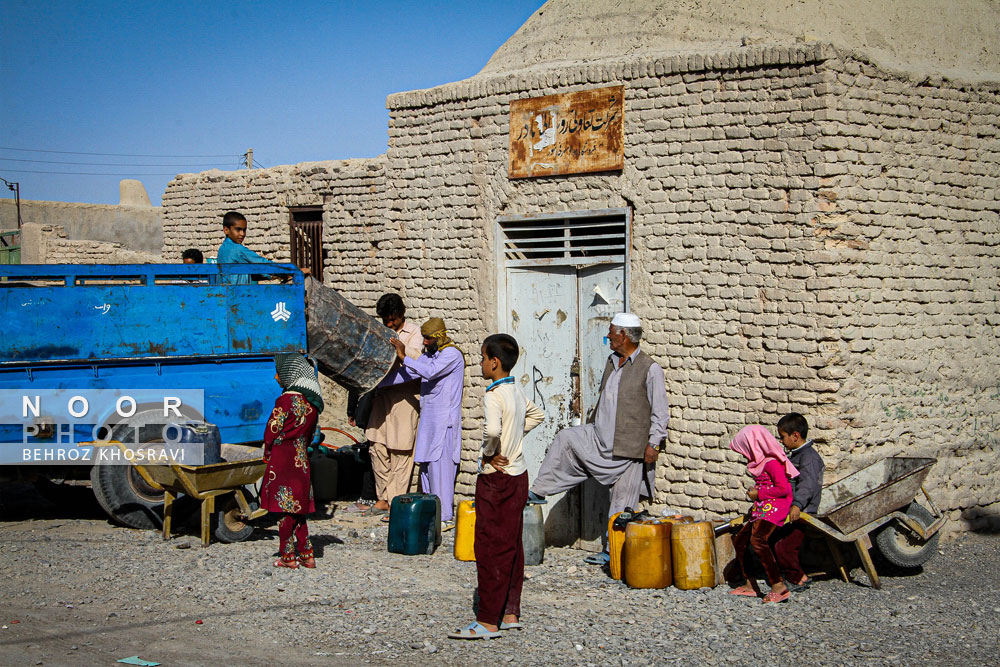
(229, 523)
(902, 548)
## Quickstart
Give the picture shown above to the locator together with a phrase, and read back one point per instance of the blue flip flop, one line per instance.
(510, 626)
(474, 630)
(535, 499)
(602, 558)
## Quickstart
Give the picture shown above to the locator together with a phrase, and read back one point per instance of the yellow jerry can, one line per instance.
(646, 561)
(692, 546)
(616, 540)
(465, 531)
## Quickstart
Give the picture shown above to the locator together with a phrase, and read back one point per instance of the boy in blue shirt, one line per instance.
(232, 250)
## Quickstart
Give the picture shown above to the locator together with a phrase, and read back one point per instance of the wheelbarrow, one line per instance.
(208, 482)
(878, 501)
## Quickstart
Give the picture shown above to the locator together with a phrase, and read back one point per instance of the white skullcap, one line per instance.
(626, 320)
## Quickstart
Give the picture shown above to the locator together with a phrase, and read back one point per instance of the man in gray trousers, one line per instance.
(620, 447)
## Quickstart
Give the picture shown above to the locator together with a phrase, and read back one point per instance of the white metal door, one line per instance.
(561, 278)
(542, 316)
(601, 294)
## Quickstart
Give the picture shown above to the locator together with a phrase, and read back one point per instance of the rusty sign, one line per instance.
(572, 133)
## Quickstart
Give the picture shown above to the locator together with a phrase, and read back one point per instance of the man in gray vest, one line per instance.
(619, 448)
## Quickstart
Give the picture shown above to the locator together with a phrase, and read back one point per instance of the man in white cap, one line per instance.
(620, 446)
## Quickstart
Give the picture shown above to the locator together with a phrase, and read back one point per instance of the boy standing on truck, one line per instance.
(232, 250)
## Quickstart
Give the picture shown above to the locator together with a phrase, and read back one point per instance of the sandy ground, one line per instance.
(78, 590)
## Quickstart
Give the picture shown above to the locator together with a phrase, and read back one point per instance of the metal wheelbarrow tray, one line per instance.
(865, 501)
(205, 483)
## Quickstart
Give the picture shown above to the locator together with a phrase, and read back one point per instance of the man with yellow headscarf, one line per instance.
(441, 371)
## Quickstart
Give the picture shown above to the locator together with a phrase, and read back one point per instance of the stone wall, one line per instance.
(137, 229)
(810, 233)
(50, 244)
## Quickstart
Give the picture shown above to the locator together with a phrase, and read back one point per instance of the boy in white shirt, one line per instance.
(501, 493)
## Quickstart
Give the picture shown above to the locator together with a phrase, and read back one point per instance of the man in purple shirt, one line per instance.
(441, 371)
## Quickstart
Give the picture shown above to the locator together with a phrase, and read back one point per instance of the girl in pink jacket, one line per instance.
(772, 499)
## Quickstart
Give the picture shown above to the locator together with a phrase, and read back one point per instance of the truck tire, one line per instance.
(229, 527)
(900, 547)
(126, 496)
(120, 489)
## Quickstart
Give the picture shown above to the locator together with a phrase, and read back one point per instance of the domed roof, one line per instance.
(957, 38)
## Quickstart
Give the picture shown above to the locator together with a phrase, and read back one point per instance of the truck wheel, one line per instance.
(229, 526)
(902, 548)
(120, 489)
(126, 496)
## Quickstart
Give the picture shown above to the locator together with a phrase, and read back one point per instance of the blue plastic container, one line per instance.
(415, 524)
(204, 434)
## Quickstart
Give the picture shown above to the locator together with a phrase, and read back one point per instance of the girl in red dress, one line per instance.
(772, 499)
(287, 487)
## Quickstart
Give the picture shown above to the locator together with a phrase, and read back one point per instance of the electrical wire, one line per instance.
(92, 173)
(111, 164)
(39, 150)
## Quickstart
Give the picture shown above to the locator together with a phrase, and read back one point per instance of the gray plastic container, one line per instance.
(533, 535)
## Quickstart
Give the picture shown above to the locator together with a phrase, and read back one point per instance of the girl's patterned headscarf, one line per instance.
(758, 445)
(297, 374)
(434, 328)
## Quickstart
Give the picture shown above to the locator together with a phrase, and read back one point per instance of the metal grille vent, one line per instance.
(590, 239)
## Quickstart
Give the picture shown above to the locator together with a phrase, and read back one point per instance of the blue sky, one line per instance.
(295, 81)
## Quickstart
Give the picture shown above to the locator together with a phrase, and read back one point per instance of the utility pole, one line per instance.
(15, 187)
(249, 157)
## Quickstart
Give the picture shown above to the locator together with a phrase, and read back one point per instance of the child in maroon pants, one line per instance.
(501, 493)
(772, 498)
(807, 489)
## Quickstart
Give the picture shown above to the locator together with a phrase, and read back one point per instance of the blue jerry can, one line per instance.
(204, 434)
(415, 524)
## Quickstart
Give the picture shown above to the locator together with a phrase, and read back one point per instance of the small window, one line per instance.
(306, 230)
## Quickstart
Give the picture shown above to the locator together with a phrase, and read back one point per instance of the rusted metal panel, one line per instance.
(350, 346)
(571, 133)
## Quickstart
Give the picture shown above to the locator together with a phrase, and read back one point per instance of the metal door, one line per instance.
(601, 294)
(542, 316)
(560, 316)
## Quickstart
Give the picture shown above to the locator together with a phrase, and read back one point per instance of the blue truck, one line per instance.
(171, 329)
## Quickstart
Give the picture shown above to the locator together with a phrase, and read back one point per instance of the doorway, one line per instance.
(562, 277)
(306, 231)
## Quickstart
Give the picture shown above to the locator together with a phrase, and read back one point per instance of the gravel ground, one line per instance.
(80, 590)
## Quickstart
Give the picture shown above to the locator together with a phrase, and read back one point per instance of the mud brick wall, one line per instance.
(48, 244)
(743, 178)
(810, 233)
(348, 191)
(909, 225)
(716, 174)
